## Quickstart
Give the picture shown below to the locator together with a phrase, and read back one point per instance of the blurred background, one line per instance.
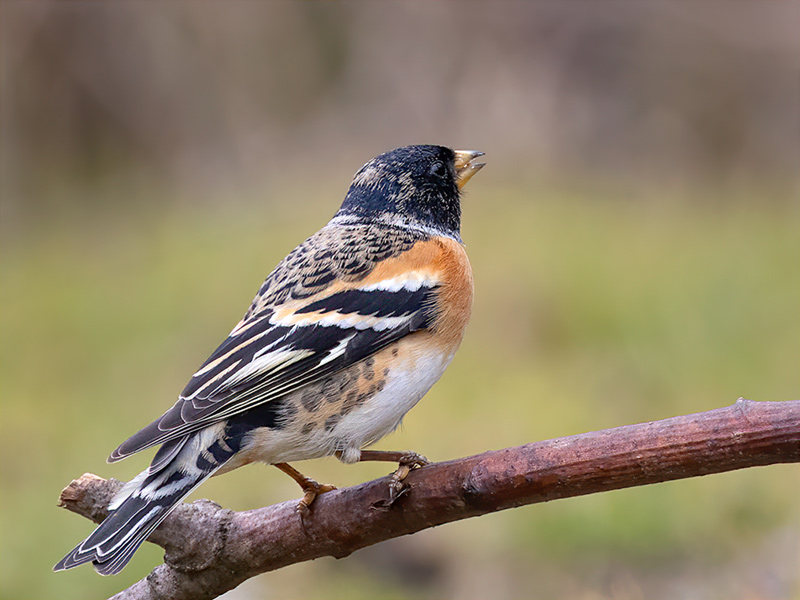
(635, 239)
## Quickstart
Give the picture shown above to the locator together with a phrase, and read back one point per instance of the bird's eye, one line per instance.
(438, 169)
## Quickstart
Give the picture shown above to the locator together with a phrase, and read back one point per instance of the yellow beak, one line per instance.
(465, 168)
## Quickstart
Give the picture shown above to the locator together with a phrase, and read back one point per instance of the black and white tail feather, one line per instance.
(177, 469)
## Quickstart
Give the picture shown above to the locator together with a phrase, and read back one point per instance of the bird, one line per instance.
(346, 334)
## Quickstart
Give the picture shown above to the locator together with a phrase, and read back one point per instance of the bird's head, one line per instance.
(413, 186)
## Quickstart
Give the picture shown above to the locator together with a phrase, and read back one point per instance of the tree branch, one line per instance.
(210, 550)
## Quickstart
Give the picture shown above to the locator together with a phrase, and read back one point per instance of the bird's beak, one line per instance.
(465, 168)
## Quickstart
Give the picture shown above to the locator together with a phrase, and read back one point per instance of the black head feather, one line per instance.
(411, 186)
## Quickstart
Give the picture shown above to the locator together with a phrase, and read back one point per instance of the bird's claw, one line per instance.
(311, 489)
(397, 486)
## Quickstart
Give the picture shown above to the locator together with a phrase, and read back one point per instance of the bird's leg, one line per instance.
(311, 488)
(406, 461)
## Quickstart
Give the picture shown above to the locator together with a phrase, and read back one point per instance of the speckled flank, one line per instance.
(321, 405)
(352, 408)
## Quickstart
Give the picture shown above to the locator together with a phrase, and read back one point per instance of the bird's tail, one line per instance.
(147, 500)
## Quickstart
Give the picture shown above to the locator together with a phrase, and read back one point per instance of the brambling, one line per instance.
(344, 337)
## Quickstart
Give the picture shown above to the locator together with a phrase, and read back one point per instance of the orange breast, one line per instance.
(455, 298)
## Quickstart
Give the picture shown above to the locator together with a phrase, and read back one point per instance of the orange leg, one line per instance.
(311, 489)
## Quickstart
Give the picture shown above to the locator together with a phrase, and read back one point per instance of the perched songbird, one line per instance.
(348, 332)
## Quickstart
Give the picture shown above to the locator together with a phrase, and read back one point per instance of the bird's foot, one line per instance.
(407, 462)
(311, 489)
